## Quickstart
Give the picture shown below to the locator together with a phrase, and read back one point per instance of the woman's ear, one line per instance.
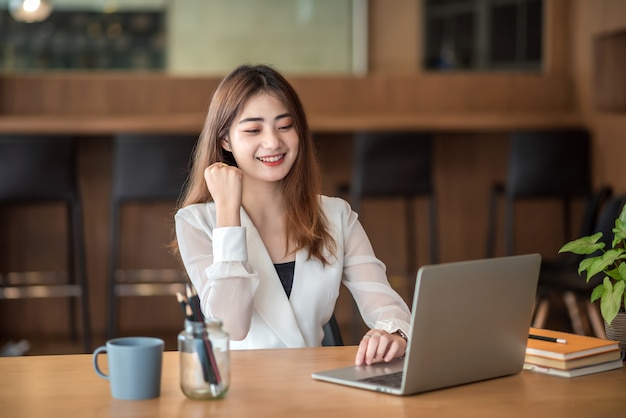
(225, 144)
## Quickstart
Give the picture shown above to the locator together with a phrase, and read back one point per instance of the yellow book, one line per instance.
(575, 347)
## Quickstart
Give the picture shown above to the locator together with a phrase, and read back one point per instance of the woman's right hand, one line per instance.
(225, 184)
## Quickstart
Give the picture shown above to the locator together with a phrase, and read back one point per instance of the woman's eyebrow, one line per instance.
(260, 119)
(253, 119)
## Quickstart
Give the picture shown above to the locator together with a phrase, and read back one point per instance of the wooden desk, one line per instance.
(277, 383)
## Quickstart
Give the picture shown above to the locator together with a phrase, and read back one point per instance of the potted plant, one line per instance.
(609, 262)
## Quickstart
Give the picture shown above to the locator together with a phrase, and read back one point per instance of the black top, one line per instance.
(285, 273)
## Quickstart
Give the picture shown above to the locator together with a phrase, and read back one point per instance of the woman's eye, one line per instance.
(252, 131)
(285, 128)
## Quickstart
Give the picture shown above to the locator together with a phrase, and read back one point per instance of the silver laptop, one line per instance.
(469, 323)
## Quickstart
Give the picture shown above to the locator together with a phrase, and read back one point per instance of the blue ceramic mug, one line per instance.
(134, 365)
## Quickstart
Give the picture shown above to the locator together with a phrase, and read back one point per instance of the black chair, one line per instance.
(396, 165)
(147, 168)
(42, 170)
(552, 164)
(332, 333)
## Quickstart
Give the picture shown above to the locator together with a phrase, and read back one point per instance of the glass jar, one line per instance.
(204, 359)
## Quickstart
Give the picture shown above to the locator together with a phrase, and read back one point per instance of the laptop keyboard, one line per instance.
(393, 380)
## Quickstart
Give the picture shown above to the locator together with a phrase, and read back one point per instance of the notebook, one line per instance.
(469, 323)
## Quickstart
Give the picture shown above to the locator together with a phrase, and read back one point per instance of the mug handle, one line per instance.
(101, 349)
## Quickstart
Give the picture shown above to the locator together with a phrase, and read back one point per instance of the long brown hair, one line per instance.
(306, 225)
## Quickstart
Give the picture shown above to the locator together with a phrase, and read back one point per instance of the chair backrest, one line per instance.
(549, 163)
(593, 209)
(332, 333)
(392, 164)
(150, 166)
(37, 167)
(606, 220)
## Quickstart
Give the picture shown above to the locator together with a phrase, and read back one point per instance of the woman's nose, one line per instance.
(271, 140)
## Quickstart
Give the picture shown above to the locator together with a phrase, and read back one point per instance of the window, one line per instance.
(483, 34)
(189, 36)
(84, 40)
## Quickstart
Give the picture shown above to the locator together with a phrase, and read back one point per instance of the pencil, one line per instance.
(183, 303)
(194, 301)
(549, 339)
(191, 309)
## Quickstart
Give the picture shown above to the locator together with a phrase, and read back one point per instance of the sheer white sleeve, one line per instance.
(364, 275)
(216, 262)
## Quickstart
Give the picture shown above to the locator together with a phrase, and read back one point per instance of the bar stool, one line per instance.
(551, 164)
(147, 168)
(42, 170)
(396, 165)
(543, 164)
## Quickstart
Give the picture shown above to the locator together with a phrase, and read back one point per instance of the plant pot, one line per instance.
(617, 331)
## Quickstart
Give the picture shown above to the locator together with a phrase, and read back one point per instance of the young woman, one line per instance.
(265, 251)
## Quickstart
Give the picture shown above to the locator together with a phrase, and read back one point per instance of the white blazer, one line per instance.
(237, 282)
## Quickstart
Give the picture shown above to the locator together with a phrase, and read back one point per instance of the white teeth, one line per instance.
(271, 159)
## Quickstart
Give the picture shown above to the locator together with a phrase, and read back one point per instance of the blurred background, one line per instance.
(467, 72)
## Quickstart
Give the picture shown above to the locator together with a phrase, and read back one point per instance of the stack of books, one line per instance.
(570, 355)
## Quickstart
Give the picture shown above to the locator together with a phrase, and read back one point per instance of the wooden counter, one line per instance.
(345, 123)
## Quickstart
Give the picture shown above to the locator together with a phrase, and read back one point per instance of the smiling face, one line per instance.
(263, 140)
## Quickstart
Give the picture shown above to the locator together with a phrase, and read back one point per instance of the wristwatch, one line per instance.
(402, 334)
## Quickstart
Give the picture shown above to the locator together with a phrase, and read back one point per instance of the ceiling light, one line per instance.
(30, 10)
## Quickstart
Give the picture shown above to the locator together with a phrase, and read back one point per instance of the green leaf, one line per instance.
(611, 300)
(597, 292)
(619, 231)
(614, 274)
(621, 269)
(617, 238)
(584, 245)
(586, 263)
(601, 263)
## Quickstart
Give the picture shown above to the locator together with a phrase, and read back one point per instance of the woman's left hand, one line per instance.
(378, 345)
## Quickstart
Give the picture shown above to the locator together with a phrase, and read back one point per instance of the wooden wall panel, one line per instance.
(106, 95)
(557, 29)
(103, 94)
(610, 149)
(592, 19)
(395, 36)
(609, 77)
